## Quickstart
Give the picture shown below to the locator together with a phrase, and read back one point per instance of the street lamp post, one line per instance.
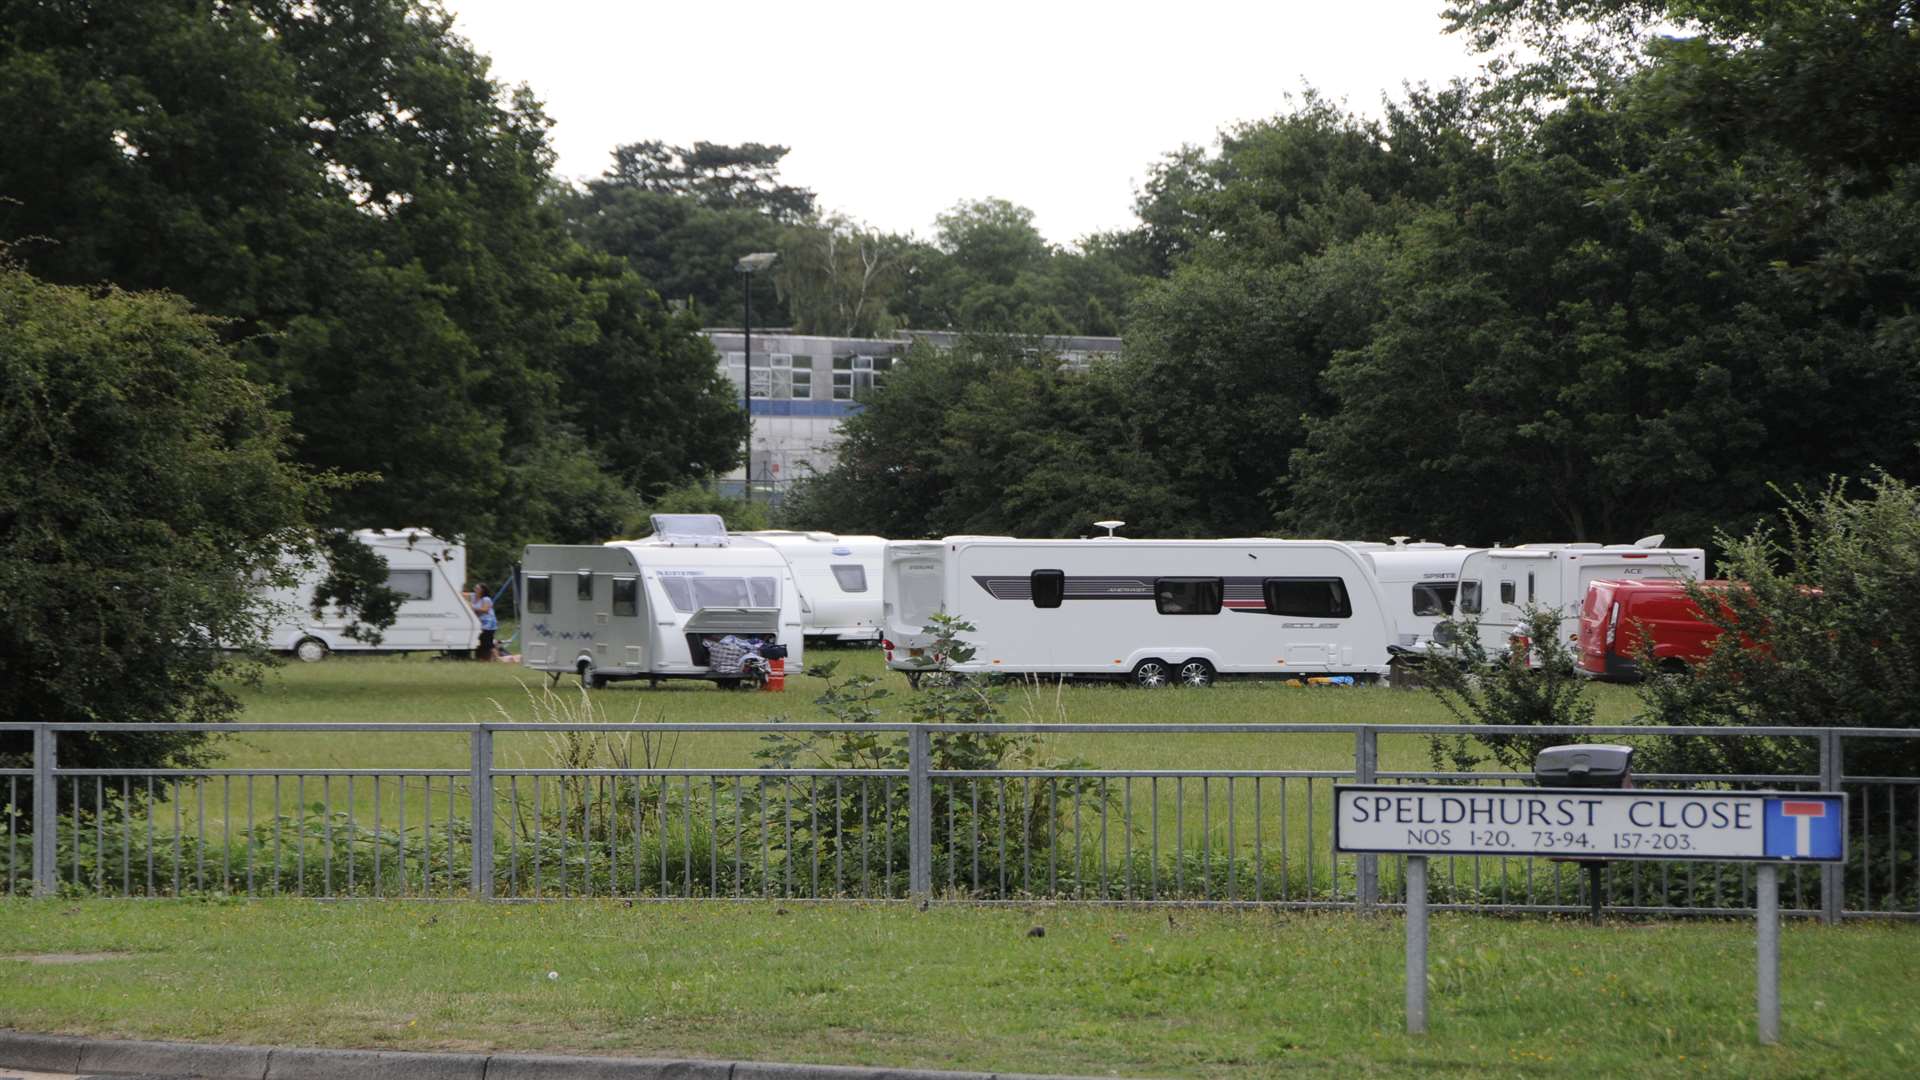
(748, 266)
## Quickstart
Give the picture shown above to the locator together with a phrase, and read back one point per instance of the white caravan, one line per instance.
(649, 609)
(1419, 581)
(1155, 611)
(427, 571)
(1497, 583)
(838, 579)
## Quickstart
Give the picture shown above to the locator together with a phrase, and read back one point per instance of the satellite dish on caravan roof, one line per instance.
(1108, 525)
(1653, 541)
(690, 529)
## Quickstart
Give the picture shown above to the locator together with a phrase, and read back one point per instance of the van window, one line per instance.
(1315, 598)
(626, 596)
(1469, 598)
(851, 576)
(1049, 587)
(1431, 598)
(1188, 596)
(1506, 592)
(412, 584)
(583, 588)
(539, 594)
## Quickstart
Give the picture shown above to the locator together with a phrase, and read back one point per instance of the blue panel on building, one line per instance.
(763, 407)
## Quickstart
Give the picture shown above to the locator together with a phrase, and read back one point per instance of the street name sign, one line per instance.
(1591, 823)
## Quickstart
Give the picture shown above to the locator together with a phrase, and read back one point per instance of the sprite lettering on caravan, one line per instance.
(1588, 823)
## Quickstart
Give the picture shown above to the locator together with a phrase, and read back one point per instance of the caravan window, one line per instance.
(539, 594)
(1049, 587)
(1529, 588)
(412, 584)
(1434, 599)
(626, 596)
(1315, 598)
(1506, 592)
(583, 589)
(1469, 598)
(1188, 596)
(763, 591)
(693, 593)
(851, 576)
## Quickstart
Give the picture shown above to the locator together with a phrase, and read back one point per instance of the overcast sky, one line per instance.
(897, 110)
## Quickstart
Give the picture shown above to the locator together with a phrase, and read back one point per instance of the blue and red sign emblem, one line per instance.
(1805, 827)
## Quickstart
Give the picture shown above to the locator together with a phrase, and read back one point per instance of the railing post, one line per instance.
(1366, 770)
(1833, 876)
(482, 781)
(919, 814)
(46, 815)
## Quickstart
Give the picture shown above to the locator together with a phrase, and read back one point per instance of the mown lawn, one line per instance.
(1122, 992)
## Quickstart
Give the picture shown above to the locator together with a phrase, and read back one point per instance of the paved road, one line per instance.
(16, 1074)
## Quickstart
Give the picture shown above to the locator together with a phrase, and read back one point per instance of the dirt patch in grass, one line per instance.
(65, 957)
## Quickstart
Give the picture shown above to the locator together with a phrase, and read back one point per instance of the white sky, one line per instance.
(897, 110)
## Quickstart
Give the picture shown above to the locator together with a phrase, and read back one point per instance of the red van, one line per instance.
(1613, 612)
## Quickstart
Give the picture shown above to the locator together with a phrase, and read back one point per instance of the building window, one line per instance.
(583, 588)
(851, 576)
(539, 595)
(792, 377)
(626, 596)
(1049, 587)
(855, 377)
(1188, 596)
(737, 374)
(1308, 597)
(1431, 599)
(412, 584)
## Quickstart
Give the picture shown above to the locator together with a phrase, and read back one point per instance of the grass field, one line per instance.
(1122, 992)
(1283, 822)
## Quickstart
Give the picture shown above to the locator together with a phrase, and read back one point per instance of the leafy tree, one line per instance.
(1818, 630)
(991, 436)
(841, 278)
(681, 217)
(714, 175)
(343, 183)
(1532, 686)
(739, 514)
(145, 490)
(649, 398)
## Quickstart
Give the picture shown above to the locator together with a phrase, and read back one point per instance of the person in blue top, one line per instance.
(483, 607)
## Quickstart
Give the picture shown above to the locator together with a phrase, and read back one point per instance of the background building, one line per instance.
(803, 386)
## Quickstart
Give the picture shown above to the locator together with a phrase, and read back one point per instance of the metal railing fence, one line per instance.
(623, 821)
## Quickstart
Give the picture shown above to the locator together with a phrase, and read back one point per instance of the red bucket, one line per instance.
(776, 675)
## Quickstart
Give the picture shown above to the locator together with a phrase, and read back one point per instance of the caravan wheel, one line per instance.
(590, 680)
(1196, 673)
(1152, 674)
(310, 650)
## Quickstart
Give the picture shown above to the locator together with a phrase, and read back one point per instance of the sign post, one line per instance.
(1768, 828)
(1416, 944)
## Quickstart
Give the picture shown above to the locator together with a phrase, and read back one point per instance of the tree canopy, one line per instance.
(345, 184)
(146, 487)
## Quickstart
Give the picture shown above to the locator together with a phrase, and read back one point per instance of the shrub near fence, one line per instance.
(643, 829)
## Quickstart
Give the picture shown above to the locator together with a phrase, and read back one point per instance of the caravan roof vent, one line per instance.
(1653, 541)
(1108, 525)
(692, 529)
